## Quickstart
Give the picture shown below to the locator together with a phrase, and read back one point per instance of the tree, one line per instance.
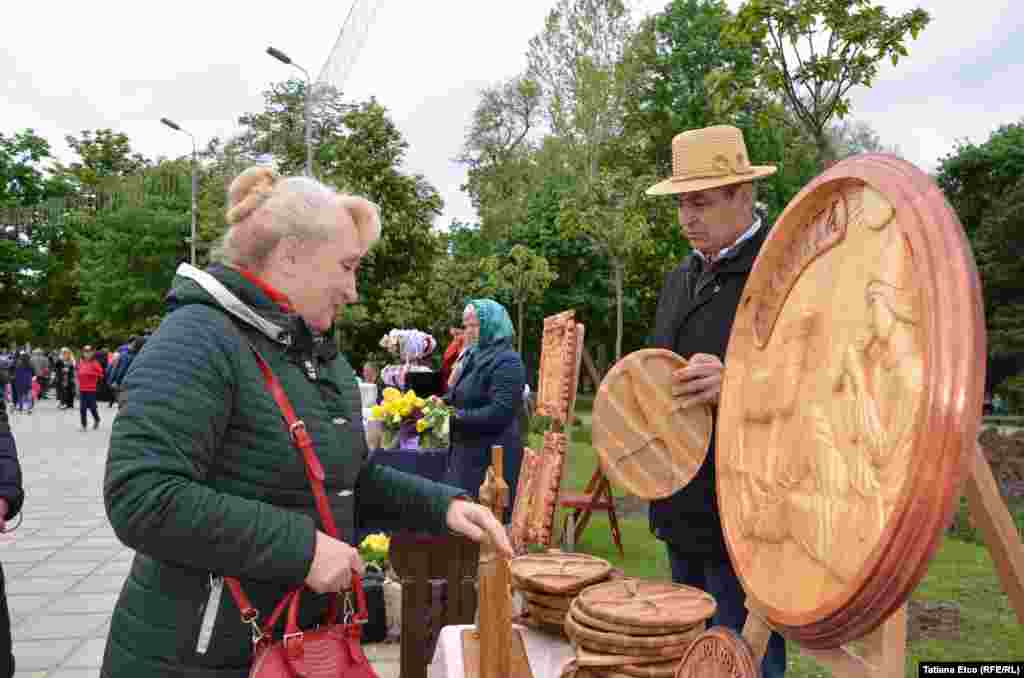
(497, 153)
(524, 278)
(23, 181)
(103, 155)
(812, 52)
(851, 137)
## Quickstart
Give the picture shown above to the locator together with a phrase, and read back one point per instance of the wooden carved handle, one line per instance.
(498, 460)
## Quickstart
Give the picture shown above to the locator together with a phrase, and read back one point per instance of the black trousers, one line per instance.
(87, 401)
(6, 655)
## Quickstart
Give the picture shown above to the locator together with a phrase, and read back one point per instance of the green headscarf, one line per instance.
(495, 323)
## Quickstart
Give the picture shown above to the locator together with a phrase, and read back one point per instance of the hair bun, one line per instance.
(248, 191)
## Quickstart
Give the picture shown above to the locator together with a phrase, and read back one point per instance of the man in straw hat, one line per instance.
(713, 182)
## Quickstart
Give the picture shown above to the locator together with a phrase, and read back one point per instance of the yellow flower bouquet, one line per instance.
(374, 550)
(411, 422)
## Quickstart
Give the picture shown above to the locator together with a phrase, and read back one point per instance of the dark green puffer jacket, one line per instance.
(203, 481)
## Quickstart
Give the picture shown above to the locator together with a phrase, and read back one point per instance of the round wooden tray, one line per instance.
(585, 657)
(546, 615)
(667, 652)
(625, 629)
(551, 629)
(624, 643)
(560, 574)
(660, 670)
(719, 653)
(551, 602)
(646, 442)
(637, 602)
(851, 399)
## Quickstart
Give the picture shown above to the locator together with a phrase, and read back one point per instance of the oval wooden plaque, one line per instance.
(851, 397)
(719, 653)
(558, 574)
(636, 602)
(647, 443)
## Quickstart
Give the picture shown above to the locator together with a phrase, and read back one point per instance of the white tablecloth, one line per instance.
(547, 655)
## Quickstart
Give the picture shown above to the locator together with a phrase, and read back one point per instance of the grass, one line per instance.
(962, 572)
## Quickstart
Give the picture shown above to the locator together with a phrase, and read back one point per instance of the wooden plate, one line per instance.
(624, 643)
(625, 629)
(557, 573)
(646, 442)
(545, 600)
(538, 625)
(857, 354)
(719, 652)
(667, 652)
(585, 657)
(660, 670)
(636, 602)
(546, 615)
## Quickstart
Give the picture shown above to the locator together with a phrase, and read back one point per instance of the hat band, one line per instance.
(721, 166)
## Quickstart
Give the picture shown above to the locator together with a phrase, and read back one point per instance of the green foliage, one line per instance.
(812, 52)
(983, 183)
(525, 278)
(23, 181)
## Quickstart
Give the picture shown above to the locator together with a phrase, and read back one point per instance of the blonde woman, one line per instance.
(203, 480)
(65, 373)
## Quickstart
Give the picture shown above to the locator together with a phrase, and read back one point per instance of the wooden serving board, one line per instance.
(626, 644)
(851, 400)
(637, 602)
(625, 629)
(719, 653)
(558, 573)
(646, 441)
(471, 655)
(558, 381)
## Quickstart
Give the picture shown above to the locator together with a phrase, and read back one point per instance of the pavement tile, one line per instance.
(101, 583)
(103, 542)
(41, 654)
(52, 569)
(88, 656)
(69, 626)
(121, 567)
(74, 554)
(14, 570)
(79, 673)
(40, 585)
(59, 532)
(21, 606)
(26, 555)
(48, 543)
(83, 603)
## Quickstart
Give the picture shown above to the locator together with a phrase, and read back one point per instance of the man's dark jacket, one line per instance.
(696, 309)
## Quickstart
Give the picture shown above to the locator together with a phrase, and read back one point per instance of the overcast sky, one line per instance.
(68, 66)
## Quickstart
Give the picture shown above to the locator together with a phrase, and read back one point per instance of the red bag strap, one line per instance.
(315, 473)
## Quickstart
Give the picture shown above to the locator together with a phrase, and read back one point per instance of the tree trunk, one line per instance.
(619, 268)
(522, 305)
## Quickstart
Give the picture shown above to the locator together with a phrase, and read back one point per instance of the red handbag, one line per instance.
(332, 650)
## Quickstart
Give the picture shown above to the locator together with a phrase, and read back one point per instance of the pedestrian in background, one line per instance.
(23, 374)
(11, 497)
(90, 376)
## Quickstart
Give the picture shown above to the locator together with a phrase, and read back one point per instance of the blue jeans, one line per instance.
(718, 578)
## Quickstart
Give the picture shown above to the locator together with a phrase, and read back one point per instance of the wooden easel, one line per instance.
(883, 653)
(597, 496)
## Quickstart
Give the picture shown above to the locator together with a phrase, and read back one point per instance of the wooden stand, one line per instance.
(883, 653)
(494, 650)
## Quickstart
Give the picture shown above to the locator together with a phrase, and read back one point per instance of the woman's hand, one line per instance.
(333, 563)
(478, 523)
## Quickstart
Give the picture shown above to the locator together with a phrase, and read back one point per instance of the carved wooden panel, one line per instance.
(646, 441)
(638, 602)
(519, 530)
(556, 390)
(719, 653)
(852, 390)
(545, 486)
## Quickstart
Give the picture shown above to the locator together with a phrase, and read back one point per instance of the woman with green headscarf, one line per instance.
(487, 395)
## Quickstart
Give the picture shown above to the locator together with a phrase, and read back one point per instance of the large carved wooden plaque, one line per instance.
(852, 393)
(545, 486)
(559, 360)
(647, 443)
(519, 532)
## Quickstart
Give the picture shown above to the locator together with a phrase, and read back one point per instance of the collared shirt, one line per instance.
(726, 251)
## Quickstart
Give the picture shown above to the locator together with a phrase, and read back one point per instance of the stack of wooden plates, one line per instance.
(632, 627)
(549, 581)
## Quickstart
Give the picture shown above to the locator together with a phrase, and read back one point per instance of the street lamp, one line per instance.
(195, 183)
(283, 58)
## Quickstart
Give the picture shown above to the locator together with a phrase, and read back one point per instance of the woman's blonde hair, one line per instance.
(264, 208)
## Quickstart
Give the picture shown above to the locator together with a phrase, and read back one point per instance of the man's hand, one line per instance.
(478, 523)
(700, 382)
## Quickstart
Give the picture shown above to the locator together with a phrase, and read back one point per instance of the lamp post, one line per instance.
(283, 58)
(195, 185)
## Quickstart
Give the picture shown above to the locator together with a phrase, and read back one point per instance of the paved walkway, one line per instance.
(64, 567)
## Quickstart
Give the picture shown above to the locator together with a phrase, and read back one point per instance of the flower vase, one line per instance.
(408, 438)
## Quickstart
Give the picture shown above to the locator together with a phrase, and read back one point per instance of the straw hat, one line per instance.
(708, 158)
